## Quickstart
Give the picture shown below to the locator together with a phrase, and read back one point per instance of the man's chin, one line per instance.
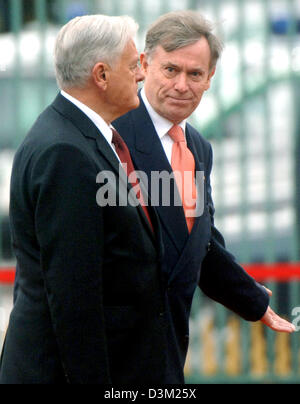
(178, 111)
(136, 103)
(175, 116)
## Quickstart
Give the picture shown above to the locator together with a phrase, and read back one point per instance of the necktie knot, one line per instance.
(176, 134)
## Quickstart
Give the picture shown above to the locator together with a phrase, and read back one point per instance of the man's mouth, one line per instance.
(176, 99)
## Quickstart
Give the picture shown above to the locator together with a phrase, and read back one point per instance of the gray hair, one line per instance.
(87, 40)
(177, 29)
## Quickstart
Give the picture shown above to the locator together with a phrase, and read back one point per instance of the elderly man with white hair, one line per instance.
(88, 295)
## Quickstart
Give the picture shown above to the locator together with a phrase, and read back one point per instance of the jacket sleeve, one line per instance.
(69, 227)
(224, 280)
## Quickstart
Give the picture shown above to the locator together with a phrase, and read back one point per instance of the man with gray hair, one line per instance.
(87, 298)
(179, 61)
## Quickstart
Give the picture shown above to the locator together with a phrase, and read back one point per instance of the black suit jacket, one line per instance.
(89, 302)
(190, 260)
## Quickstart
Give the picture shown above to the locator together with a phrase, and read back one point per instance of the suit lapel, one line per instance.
(196, 239)
(149, 156)
(89, 130)
(198, 167)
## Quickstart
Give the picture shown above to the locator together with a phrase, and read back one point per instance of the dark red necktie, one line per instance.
(124, 155)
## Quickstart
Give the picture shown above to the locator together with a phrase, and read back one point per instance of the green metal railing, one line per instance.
(223, 348)
(233, 345)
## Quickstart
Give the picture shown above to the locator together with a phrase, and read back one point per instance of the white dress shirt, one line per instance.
(162, 127)
(103, 127)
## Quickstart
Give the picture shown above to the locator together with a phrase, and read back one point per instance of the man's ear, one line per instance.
(144, 62)
(100, 75)
(210, 76)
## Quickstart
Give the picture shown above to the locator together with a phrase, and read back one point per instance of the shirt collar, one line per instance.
(103, 127)
(161, 124)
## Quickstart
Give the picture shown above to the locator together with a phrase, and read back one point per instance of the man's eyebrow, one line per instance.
(170, 64)
(174, 65)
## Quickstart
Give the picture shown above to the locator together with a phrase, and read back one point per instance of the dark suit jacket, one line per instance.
(89, 302)
(190, 260)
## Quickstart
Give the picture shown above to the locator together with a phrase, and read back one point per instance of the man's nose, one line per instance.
(139, 75)
(181, 83)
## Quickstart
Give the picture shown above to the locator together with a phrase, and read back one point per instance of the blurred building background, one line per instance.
(251, 117)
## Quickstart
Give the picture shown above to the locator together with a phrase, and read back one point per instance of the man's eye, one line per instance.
(135, 67)
(170, 71)
(196, 74)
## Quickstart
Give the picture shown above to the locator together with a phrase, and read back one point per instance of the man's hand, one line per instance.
(276, 323)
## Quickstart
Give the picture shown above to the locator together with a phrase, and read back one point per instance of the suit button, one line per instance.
(208, 246)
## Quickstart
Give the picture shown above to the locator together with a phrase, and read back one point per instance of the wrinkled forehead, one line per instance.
(196, 55)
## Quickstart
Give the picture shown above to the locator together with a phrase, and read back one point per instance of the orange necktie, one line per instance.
(124, 155)
(183, 165)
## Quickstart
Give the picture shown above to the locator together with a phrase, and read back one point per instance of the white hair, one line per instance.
(87, 40)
